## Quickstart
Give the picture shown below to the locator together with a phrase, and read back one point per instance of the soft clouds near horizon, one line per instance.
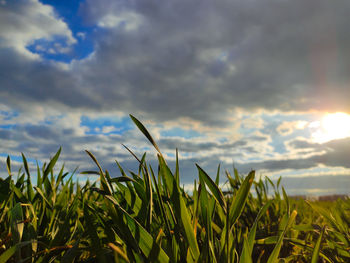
(225, 82)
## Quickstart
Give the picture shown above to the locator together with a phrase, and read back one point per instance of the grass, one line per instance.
(145, 216)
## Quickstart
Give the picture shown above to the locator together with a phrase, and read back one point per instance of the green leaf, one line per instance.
(161, 203)
(286, 199)
(30, 192)
(43, 196)
(274, 255)
(145, 241)
(104, 182)
(180, 208)
(51, 164)
(215, 190)
(4, 189)
(240, 199)
(246, 255)
(122, 179)
(5, 256)
(8, 165)
(316, 251)
(17, 224)
(92, 232)
(145, 132)
(252, 232)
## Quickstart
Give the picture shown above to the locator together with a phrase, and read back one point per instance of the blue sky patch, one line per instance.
(8, 126)
(106, 125)
(8, 115)
(18, 158)
(68, 11)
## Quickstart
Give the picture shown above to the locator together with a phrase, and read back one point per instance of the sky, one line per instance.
(261, 85)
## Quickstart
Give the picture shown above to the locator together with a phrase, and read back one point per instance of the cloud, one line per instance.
(184, 52)
(287, 128)
(210, 58)
(23, 22)
(332, 154)
(216, 70)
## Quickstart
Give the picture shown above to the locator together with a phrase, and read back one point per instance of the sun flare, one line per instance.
(332, 126)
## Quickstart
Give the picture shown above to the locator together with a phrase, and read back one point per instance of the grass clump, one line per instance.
(147, 217)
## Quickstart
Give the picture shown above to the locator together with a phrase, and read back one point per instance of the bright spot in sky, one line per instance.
(331, 127)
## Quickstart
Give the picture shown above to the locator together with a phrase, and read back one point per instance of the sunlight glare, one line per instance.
(332, 126)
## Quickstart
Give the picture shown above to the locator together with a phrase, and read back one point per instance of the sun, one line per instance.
(332, 126)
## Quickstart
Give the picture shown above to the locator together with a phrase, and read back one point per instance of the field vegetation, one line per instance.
(146, 216)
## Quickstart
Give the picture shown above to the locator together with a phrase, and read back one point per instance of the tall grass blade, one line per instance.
(240, 199)
(316, 251)
(274, 255)
(145, 132)
(145, 241)
(215, 190)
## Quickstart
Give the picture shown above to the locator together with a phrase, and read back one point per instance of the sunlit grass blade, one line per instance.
(240, 199)
(51, 164)
(246, 255)
(217, 194)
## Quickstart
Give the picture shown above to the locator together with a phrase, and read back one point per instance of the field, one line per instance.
(145, 216)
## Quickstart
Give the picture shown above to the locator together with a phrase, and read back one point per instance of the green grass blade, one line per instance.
(161, 203)
(246, 255)
(240, 199)
(145, 132)
(145, 241)
(180, 209)
(316, 251)
(51, 164)
(217, 179)
(252, 232)
(30, 192)
(8, 165)
(215, 190)
(5, 256)
(274, 255)
(177, 173)
(105, 185)
(286, 199)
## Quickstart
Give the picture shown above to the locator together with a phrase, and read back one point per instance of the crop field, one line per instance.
(146, 216)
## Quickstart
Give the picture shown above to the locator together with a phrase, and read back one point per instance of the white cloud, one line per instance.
(288, 127)
(81, 35)
(24, 21)
(128, 21)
